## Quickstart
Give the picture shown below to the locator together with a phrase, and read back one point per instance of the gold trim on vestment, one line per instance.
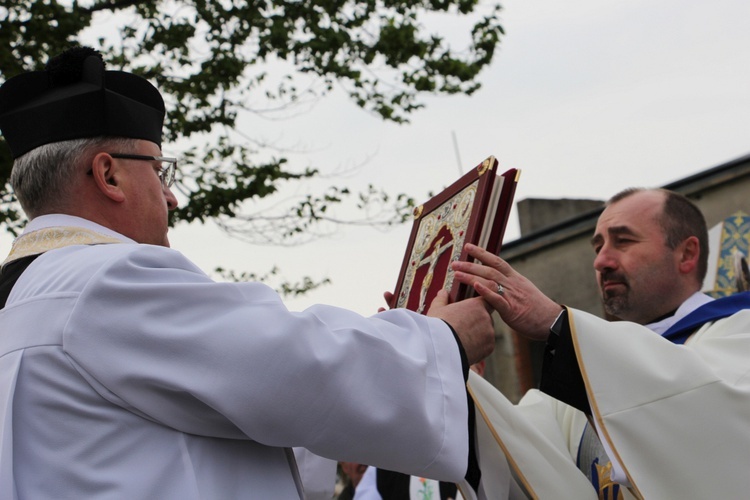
(526, 485)
(51, 238)
(594, 407)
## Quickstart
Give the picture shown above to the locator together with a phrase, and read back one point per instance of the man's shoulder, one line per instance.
(84, 261)
(97, 253)
(708, 313)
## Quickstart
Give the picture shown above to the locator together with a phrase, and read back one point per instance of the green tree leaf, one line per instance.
(212, 59)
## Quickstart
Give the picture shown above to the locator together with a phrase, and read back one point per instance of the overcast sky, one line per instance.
(586, 97)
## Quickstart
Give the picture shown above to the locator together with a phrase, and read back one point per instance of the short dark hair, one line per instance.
(680, 219)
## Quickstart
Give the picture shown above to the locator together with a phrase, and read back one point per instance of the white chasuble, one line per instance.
(676, 417)
(525, 449)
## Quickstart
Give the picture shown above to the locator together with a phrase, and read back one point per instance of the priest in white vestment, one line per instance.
(127, 373)
(656, 406)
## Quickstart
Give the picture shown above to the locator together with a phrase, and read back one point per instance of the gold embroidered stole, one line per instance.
(50, 238)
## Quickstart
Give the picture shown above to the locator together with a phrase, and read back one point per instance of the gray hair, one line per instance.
(42, 178)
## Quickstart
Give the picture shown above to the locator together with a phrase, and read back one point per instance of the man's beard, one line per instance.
(615, 302)
(616, 305)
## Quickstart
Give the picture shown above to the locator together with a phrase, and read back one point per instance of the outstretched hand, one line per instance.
(471, 320)
(388, 296)
(518, 301)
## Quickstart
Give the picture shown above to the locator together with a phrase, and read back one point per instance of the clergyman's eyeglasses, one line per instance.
(166, 173)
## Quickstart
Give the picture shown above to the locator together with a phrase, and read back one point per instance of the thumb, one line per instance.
(441, 299)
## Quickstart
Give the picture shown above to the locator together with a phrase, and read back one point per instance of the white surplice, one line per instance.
(126, 372)
(676, 417)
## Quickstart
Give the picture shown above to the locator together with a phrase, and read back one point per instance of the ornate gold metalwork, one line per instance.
(484, 167)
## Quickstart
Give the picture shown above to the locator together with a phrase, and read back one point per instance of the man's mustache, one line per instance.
(612, 277)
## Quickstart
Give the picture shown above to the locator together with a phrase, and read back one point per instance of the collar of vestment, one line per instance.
(50, 232)
(712, 311)
(689, 305)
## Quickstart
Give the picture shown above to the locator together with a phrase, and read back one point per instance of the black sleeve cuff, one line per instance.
(464, 360)
(473, 473)
(561, 375)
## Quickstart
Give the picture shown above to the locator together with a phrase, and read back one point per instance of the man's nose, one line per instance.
(171, 199)
(605, 260)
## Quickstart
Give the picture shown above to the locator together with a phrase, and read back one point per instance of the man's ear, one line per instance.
(689, 254)
(106, 176)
